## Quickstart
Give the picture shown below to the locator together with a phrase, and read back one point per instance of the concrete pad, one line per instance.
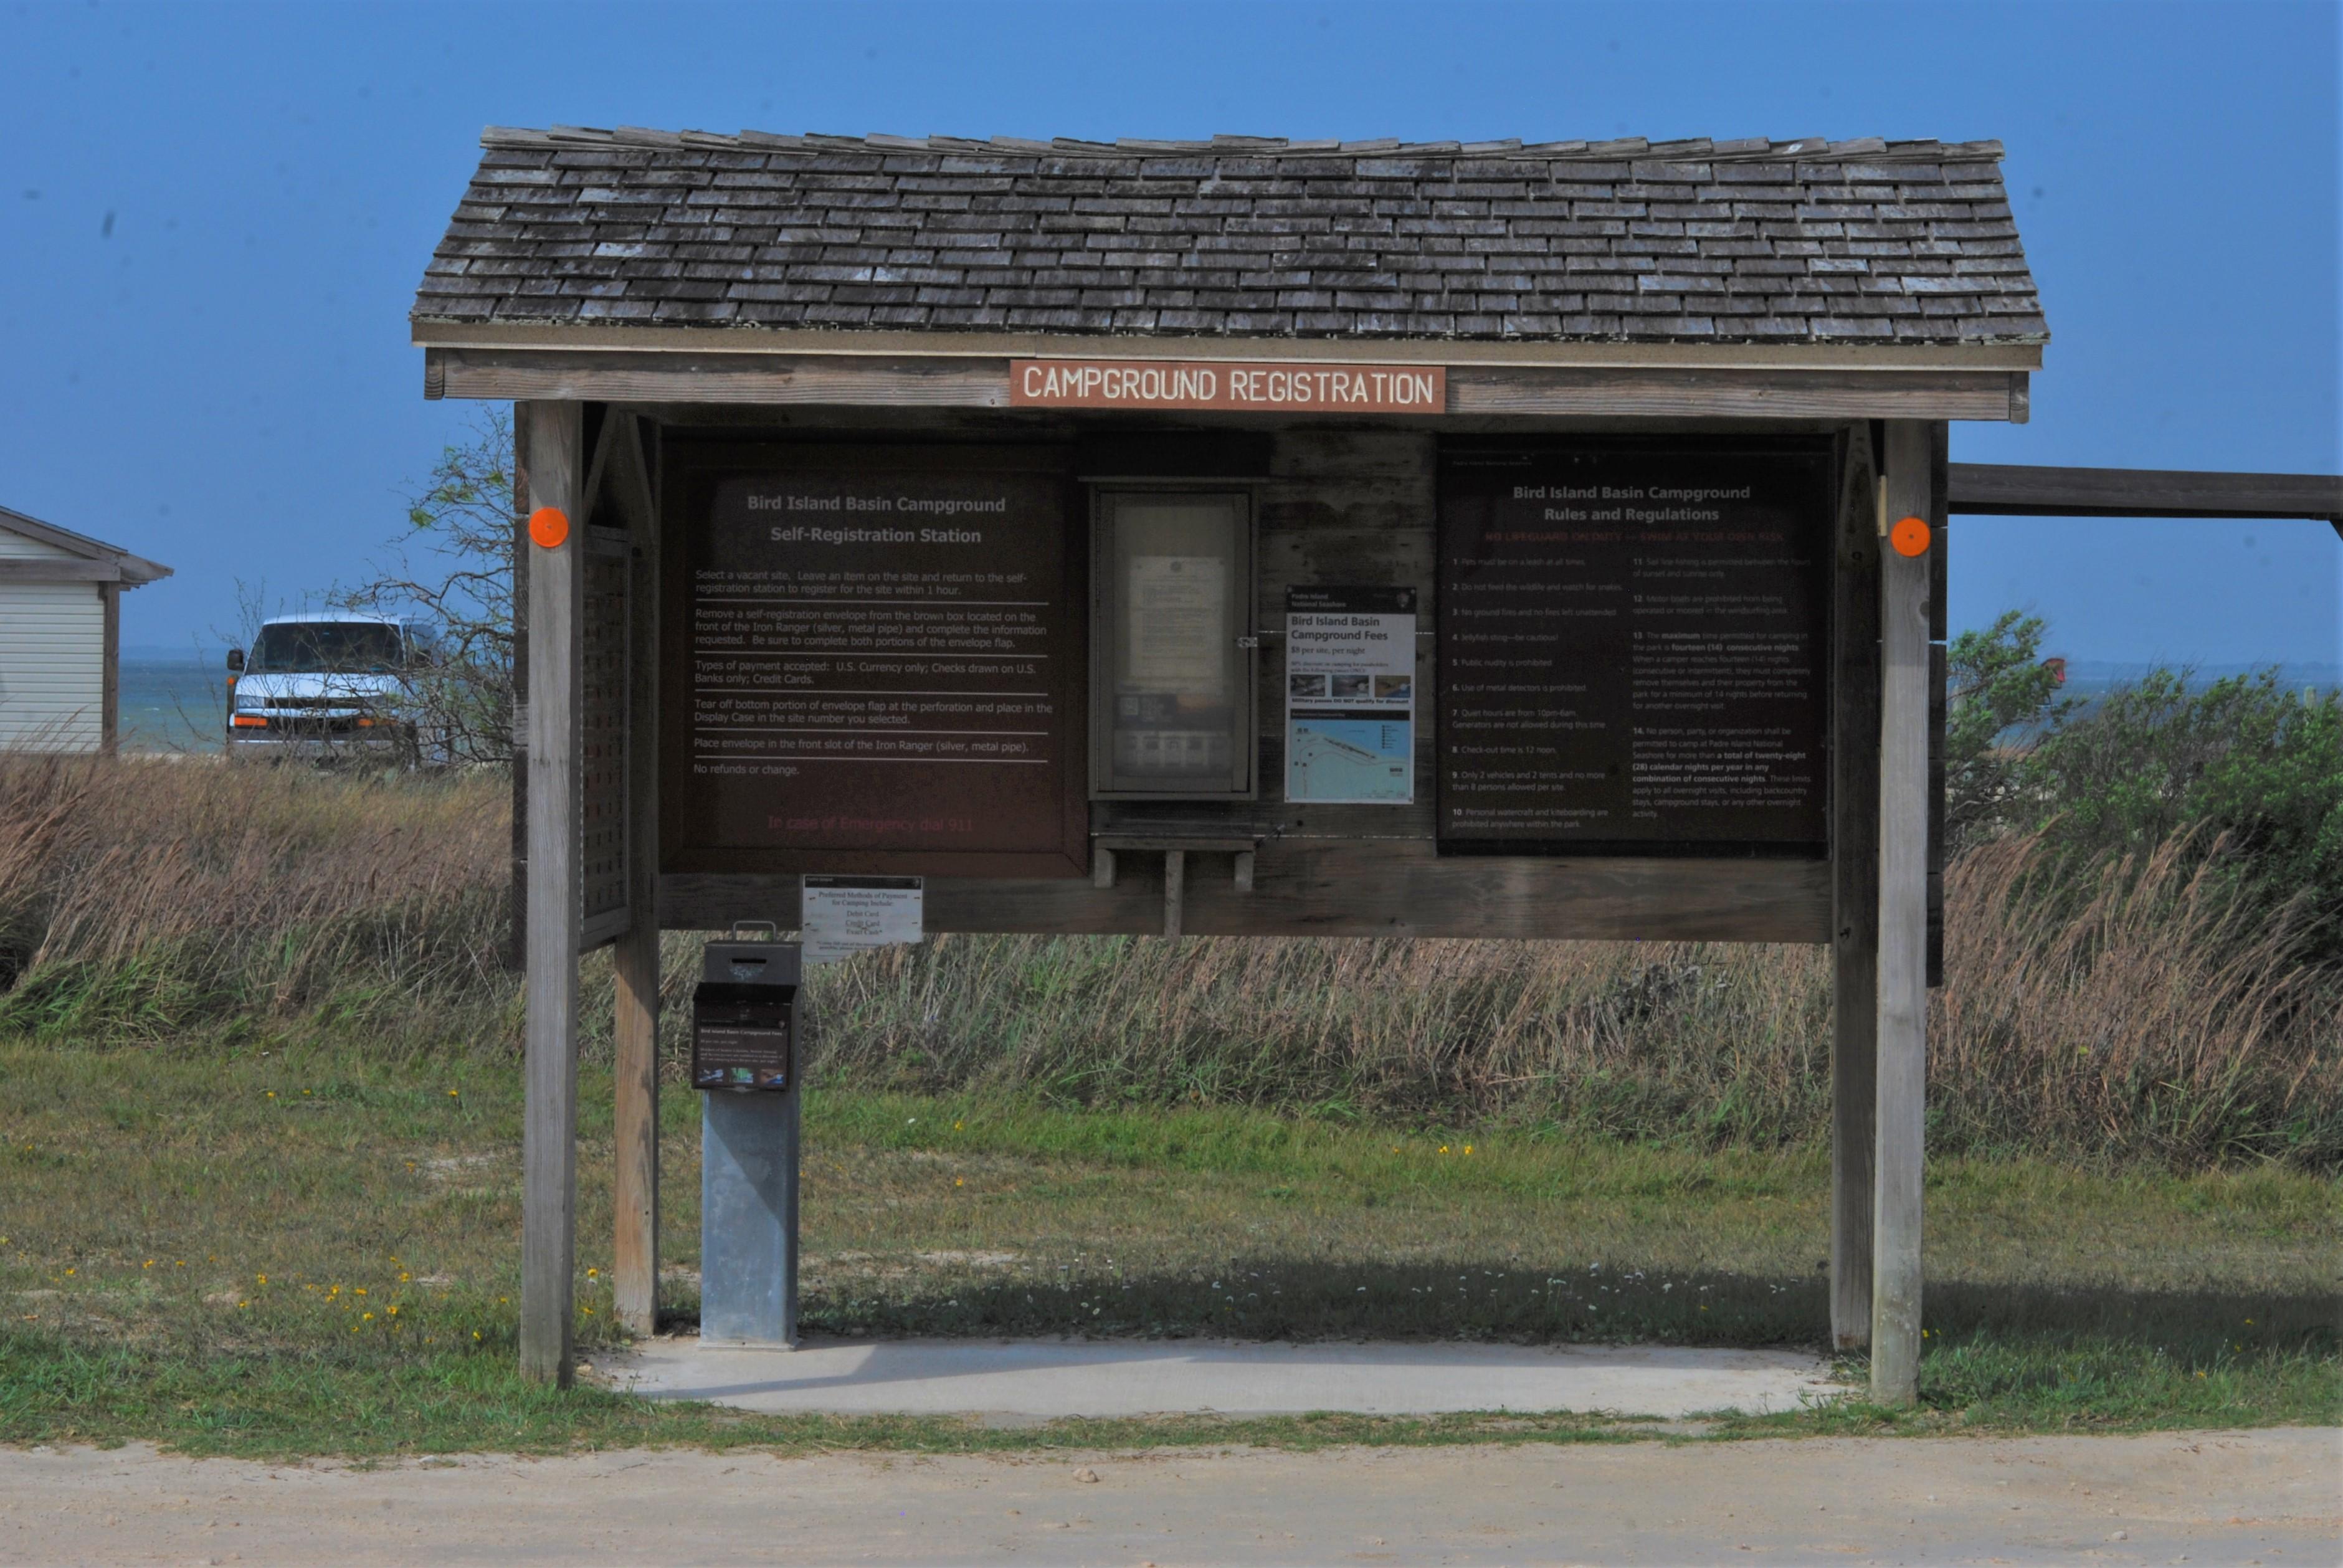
(1051, 1378)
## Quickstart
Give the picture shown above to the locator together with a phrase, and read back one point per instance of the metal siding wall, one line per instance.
(16, 546)
(52, 664)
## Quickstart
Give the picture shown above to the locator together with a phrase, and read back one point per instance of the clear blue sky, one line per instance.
(213, 218)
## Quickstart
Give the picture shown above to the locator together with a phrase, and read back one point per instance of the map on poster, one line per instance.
(1349, 696)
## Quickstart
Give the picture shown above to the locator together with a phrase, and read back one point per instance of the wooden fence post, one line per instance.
(1903, 999)
(553, 434)
(634, 1260)
(109, 694)
(1854, 890)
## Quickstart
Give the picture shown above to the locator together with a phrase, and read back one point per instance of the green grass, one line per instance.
(195, 1236)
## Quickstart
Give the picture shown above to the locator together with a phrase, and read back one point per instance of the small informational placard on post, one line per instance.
(1349, 696)
(841, 916)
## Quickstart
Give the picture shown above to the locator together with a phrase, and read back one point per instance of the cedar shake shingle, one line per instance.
(1241, 236)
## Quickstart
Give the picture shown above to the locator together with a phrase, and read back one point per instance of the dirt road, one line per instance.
(2269, 1497)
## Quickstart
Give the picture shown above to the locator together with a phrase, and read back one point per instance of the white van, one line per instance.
(333, 683)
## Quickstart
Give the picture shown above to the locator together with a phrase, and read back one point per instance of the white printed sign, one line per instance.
(839, 917)
(1349, 696)
(1178, 624)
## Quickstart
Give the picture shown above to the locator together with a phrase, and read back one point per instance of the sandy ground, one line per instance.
(2266, 1497)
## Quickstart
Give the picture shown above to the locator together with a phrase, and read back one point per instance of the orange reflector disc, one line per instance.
(1909, 537)
(548, 528)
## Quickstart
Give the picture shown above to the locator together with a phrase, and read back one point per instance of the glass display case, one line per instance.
(1172, 645)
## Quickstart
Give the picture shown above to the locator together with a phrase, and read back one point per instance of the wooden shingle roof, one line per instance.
(1908, 242)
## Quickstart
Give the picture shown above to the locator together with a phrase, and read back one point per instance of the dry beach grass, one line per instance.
(2147, 1017)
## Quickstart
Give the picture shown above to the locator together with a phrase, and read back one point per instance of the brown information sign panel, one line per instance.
(872, 663)
(1289, 389)
(1633, 648)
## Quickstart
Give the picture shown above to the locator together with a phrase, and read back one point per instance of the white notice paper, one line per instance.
(839, 917)
(1177, 610)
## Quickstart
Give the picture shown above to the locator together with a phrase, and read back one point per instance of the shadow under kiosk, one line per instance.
(745, 1029)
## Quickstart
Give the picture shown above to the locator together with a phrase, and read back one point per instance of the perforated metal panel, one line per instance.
(602, 737)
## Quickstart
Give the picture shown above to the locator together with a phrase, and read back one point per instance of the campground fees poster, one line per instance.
(1349, 696)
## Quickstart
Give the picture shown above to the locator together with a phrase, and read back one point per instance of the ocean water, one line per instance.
(171, 702)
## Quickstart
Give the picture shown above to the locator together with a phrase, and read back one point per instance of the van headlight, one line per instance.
(247, 701)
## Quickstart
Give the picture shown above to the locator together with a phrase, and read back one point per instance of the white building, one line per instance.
(61, 634)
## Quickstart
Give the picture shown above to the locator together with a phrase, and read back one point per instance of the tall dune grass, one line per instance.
(2151, 1016)
(147, 895)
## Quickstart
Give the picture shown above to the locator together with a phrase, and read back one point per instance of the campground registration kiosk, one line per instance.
(1244, 537)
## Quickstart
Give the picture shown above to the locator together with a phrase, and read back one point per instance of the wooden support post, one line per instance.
(1854, 890)
(109, 696)
(553, 436)
(1903, 1000)
(515, 953)
(634, 958)
(1175, 878)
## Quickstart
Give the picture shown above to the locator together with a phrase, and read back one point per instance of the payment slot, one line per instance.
(745, 1030)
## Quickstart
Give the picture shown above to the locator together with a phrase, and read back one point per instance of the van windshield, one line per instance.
(334, 646)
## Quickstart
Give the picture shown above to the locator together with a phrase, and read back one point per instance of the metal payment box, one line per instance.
(744, 1018)
(745, 1029)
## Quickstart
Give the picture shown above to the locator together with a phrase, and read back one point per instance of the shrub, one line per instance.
(2251, 770)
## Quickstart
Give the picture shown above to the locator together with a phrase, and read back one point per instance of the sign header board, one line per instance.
(1290, 388)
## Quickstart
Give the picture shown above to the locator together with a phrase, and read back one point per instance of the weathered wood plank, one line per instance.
(109, 691)
(1692, 393)
(47, 569)
(516, 955)
(1855, 888)
(708, 376)
(1903, 1000)
(634, 959)
(1351, 888)
(1939, 674)
(1355, 456)
(1397, 555)
(553, 434)
(2017, 489)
